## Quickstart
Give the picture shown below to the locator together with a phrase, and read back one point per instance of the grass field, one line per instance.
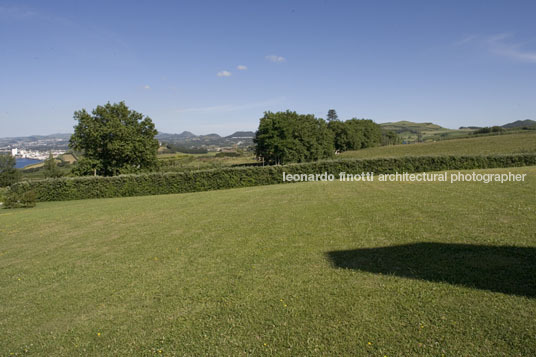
(485, 145)
(379, 269)
(184, 162)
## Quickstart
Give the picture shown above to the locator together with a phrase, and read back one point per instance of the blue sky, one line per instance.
(216, 66)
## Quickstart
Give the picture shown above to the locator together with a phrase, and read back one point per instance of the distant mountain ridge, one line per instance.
(190, 140)
(36, 142)
(520, 124)
(242, 134)
(408, 131)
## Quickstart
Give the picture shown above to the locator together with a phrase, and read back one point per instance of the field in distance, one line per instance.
(336, 268)
(408, 131)
(484, 145)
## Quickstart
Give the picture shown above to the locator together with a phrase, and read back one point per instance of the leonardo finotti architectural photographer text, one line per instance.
(408, 177)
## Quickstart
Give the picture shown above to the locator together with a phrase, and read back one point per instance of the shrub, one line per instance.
(3, 192)
(24, 199)
(193, 181)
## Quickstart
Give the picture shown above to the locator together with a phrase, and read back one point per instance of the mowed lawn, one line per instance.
(484, 145)
(379, 269)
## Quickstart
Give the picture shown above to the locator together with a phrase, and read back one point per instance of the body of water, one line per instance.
(25, 162)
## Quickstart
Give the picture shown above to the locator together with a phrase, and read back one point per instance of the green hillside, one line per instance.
(485, 145)
(405, 125)
(410, 131)
(379, 269)
(520, 124)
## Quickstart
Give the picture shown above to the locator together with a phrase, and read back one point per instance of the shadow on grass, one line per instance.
(504, 269)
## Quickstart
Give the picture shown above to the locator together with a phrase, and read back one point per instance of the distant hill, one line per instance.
(520, 124)
(414, 132)
(36, 142)
(190, 140)
(187, 139)
(402, 126)
(241, 135)
(182, 136)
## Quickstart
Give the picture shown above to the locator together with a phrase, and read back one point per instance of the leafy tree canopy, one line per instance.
(114, 140)
(286, 137)
(8, 173)
(355, 134)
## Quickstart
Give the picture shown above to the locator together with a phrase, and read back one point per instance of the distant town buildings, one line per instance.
(35, 154)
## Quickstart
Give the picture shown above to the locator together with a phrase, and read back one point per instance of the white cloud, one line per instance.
(241, 67)
(275, 58)
(146, 86)
(502, 45)
(224, 74)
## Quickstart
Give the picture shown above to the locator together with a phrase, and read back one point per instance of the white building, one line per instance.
(14, 152)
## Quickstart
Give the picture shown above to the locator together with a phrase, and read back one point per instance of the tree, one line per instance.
(389, 137)
(332, 115)
(355, 134)
(343, 138)
(8, 173)
(286, 137)
(419, 136)
(50, 167)
(114, 140)
(371, 132)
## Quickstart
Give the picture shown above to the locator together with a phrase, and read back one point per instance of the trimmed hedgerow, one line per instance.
(193, 181)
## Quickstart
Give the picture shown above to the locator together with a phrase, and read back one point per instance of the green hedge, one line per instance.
(179, 182)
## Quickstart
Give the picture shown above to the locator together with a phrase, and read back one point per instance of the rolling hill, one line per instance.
(190, 140)
(412, 132)
(520, 124)
(484, 145)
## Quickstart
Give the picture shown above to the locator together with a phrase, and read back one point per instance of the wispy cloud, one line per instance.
(16, 12)
(146, 87)
(503, 44)
(241, 67)
(96, 33)
(232, 107)
(224, 74)
(465, 40)
(276, 58)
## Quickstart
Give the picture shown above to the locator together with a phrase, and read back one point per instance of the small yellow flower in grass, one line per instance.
(265, 344)
(370, 343)
(98, 334)
(159, 351)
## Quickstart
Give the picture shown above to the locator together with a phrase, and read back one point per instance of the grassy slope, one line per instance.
(486, 145)
(246, 271)
(408, 130)
(180, 162)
